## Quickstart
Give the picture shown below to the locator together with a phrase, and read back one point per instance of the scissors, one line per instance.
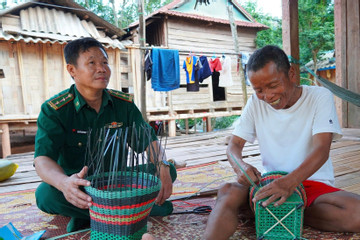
(197, 210)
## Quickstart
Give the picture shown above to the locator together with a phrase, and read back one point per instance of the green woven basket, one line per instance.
(281, 222)
(120, 210)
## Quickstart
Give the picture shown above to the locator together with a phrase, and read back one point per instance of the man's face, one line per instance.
(274, 87)
(92, 71)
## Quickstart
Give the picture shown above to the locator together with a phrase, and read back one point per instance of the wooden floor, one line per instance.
(209, 147)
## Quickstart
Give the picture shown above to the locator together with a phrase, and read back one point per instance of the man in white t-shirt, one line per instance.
(294, 126)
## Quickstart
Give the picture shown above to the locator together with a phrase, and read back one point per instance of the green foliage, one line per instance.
(271, 36)
(316, 28)
(224, 122)
(127, 10)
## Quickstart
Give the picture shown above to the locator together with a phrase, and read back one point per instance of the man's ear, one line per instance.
(71, 69)
(292, 75)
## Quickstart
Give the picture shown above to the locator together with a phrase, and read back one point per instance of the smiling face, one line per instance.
(275, 87)
(92, 71)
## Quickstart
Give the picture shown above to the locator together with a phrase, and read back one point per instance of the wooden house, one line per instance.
(205, 31)
(32, 66)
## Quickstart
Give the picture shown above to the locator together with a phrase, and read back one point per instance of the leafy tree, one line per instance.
(316, 28)
(273, 35)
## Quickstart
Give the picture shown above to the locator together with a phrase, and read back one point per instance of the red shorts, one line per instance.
(315, 189)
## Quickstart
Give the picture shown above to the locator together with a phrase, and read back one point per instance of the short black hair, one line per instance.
(75, 47)
(264, 55)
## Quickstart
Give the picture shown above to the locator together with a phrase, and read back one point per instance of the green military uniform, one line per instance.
(63, 126)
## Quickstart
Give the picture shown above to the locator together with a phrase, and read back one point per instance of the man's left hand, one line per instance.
(277, 191)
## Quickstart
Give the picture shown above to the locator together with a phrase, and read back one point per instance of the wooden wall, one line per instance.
(35, 72)
(206, 39)
(347, 48)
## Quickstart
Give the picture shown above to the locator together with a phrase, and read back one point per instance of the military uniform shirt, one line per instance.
(65, 119)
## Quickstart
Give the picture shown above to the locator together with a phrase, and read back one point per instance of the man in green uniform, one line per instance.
(63, 126)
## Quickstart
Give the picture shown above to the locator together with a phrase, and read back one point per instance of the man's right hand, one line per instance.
(72, 192)
(251, 171)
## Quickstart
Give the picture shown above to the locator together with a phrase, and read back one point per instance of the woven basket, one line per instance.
(121, 210)
(281, 222)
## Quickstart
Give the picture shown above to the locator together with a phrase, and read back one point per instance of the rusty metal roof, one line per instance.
(56, 21)
(214, 12)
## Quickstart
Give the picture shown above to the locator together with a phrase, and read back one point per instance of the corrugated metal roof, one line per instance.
(210, 13)
(39, 23)
(325, 61)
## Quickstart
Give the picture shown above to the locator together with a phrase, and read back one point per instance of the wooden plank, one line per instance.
(22, 80)
(45, 72)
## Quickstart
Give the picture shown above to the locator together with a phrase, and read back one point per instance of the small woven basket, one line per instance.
(121, 204)
(281, 222)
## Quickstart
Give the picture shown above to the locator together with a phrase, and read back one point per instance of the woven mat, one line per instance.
(20, 209)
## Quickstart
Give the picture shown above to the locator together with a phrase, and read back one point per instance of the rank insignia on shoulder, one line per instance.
(114, 125)
(121, 95)
(61, 101)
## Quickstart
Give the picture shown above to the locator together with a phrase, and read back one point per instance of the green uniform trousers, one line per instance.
(52, 201)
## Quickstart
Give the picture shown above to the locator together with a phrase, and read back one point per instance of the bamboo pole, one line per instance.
(142, 36)
(118, 69)
(237, 50)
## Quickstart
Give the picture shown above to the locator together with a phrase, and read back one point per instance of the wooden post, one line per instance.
(172, 128)
(142, 40)
(233, 27)
(6, 146)
(186, 126)
(340, 54)
(290, 32)
(208, 124)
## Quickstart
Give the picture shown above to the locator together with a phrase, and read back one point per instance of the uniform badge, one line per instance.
(114, 125)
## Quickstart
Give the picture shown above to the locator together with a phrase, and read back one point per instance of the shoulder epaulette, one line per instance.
(61, 100)
(121, 95)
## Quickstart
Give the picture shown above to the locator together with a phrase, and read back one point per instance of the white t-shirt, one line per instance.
(285, 135)
(225, 78)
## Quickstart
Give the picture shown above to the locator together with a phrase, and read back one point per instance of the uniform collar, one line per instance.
(79, 101)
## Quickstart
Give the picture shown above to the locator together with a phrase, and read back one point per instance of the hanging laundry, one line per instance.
(148, 64)
(205, 71)
(191, 66)
(215, 64)
(244, 60)
(218, 92)
(165, 69)
(225, 79)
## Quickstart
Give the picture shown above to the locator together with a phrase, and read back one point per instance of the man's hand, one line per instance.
(277, 191)
(250, 170)
(71, 189)
(166, 185)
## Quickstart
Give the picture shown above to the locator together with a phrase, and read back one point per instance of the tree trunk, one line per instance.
(115, 13)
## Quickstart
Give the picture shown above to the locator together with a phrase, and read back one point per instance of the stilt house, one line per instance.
(201, 31)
